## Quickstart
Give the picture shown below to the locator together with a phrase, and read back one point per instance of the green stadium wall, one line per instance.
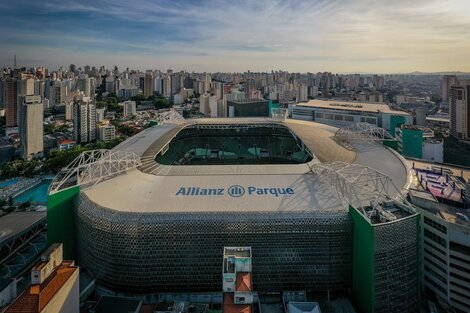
(363, 262)
(60, 220)
(391, 144)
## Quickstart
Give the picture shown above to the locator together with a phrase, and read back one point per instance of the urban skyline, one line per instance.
(299, 36)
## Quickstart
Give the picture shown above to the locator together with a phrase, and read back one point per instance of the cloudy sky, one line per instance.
(237, 35)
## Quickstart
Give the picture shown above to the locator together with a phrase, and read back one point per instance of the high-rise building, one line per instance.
(459, 106)
(148, 85)
(84, 120)
(207, 82)
(31, 126)
(100, 114)
(129, 108)
(204, 104)
(11, 102)
(84, 84)
(56, 92)
(167, 86)
(443, 200)
(447, 82)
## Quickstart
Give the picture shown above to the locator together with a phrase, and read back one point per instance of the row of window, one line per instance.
(435, 225)
(437, 239)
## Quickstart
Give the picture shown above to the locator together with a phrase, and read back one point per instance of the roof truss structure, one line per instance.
(363, 132)
(94, 166)
(359, 185)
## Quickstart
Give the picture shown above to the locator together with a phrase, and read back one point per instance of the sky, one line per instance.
(366, 36)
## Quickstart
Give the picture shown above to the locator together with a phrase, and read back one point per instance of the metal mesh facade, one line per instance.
(177, 252)
(396, 266)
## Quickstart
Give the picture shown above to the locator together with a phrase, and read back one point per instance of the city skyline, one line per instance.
(299, 36)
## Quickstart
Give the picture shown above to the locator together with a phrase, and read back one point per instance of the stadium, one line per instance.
(323, 210)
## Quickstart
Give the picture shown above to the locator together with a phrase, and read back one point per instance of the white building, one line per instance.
(204, 104)
(100, 115)
(129, 108)
(213, 106)
(106, 132)
(32, 127)
(343, 113)
(460, 110)
(84, 121)
(445, 249)
(433, 150)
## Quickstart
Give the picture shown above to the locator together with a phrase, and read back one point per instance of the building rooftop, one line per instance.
(117, 305)
(162, 188)
(36, 298)
(243, 282)
(15, 223)
(370, 107)
(239, 252)
(230, 307)
(442, 184)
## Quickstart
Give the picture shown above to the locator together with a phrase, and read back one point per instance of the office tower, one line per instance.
(31, 126)
(460, 110)
(11, 102)
(84, 120)
(148, 85)
(446, 83)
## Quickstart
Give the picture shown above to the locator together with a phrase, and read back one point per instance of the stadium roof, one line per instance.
(372, 107)
(265, 188)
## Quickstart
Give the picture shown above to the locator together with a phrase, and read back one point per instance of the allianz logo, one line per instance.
(236, 191)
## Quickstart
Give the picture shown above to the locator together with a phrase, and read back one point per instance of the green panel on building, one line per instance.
(396, 121)
(412, 142)
(60, 221)
(363, 262)
(391, 143)
(272, 106)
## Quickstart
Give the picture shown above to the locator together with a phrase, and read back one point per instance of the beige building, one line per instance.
(31, 126)
(106, 132)
(204, 104)
(459, 107)
(54, 286)
(148, 85)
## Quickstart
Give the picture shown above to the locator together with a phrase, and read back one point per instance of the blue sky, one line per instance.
(218, 35)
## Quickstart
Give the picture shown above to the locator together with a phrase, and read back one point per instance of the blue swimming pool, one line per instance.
(36, 194)
(8, 183)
